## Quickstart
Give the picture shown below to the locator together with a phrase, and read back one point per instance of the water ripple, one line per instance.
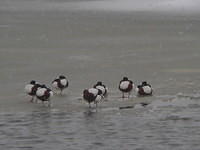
(172, 124)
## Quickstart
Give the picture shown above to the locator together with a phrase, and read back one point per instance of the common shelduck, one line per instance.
(31, 89)
(44, 94)
(92, 95)
(126, 86)
(144, 89)
(103, 89)
(60, 83)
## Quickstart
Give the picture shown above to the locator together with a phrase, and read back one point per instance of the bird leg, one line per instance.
(36, 100)
(89, 105)
(49, 103)
(123, 95)
(61, 92)
(129, 95)
(96, 103)
(32, 99)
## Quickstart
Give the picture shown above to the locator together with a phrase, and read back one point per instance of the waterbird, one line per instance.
(44, 94)
(92, 95)
(103, 89)
(126, 86)
(31, 89)
(144, 89)
(60, 83)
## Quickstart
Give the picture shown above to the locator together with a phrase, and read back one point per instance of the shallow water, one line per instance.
(44, 38)
(170, 124)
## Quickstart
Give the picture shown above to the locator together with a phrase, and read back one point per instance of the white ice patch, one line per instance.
(147, 89)
(28, 88)
(93, 91)
(41, 91)
(124, 85)
(63, 82)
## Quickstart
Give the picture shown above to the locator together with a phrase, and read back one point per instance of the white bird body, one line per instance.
(124, 84)
(98, 98)
(147, 89)
(40, 92)
(60, 83)
(136, 89)
(144, 89)
(103, 90)
(63, 82)
(28, 88)
(44, 94)
(51, 93)
(55, 84)
(94, 91)
(91, 95)
(31, 89)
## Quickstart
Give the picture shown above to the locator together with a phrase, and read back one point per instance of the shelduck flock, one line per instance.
(95, 94)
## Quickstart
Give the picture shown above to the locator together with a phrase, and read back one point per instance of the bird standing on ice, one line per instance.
(126, 86)
(31, 89)
(44, 94)
(60, 83)
(92, 95)
(103, 89)
(144, 89)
